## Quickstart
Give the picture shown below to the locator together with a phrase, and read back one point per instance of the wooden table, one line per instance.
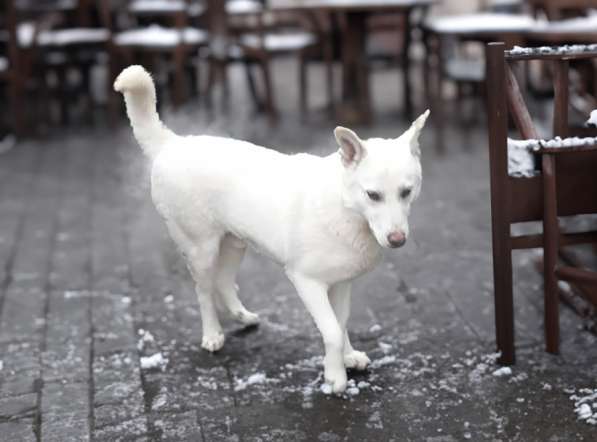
(476, 27)
(487, 27)
(356, 98)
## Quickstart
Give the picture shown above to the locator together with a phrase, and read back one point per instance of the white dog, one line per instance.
(324, 219)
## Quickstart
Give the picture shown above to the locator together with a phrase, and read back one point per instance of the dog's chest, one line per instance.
(357, 254)
(343, 253)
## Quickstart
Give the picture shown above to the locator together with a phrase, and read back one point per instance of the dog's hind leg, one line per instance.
(232, 251)
(202, 258)
(339, 296)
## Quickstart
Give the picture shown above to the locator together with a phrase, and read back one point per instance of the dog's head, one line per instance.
(382, 177)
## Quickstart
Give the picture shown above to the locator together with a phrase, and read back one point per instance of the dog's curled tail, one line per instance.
(138, 88)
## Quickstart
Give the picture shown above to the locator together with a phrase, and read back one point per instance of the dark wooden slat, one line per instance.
(568, 273)
(566, 239)
(518, 108)
(569, 149)
(587, 290)
(550, 255)
(500, 202)
(561, 98)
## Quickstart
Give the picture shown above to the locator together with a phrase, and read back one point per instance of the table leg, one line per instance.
(356, 99)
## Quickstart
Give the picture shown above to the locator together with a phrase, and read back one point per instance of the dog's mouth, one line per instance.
(396, 245)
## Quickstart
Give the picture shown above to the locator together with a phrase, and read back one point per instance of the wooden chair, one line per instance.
(446, 41)
(254, 36)
(566, 185)
(130, 43)
(62, 46)
(389, 41)
(10, 78)
(561, 9)
(23, 84)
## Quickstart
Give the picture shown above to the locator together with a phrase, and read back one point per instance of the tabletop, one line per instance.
(348, 5)
(499, 23)
(164, 7)
(480, 23)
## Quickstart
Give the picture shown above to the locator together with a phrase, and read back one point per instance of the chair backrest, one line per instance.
(115, 15)
(8, 25)
(505, 100)
(561, 9)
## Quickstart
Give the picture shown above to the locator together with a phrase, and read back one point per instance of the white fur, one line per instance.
(310, 214)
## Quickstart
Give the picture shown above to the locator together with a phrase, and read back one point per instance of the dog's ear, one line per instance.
(352, 150)
(414, 131)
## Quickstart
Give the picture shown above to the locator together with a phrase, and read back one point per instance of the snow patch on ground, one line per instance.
(255, 378)
(326, 389)
(385, 347)
(388, 359)
(375, 328)
(503, 371)
(145, 338)
(585, 405)
(482, 367)
(156, 360)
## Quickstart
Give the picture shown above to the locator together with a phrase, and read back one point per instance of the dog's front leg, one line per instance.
(340, 300)
(315, 297)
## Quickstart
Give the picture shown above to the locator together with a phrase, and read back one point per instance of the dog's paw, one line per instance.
(336, 379)
(246, 317)
(357, 360)
(213, 342)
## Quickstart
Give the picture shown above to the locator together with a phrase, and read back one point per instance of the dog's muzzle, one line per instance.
(396, 239)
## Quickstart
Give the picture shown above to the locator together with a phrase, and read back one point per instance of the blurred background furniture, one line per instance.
(166, 47)
(75, 48)
(546, 189)
(65, 42)
(11, 80)
(555, 10)
(356, 100)
(251, 33)
(449, 59)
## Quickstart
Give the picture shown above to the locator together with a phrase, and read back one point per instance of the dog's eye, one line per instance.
(405, 193)
(374, 196)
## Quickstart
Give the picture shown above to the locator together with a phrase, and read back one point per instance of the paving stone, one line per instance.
(65, 399)
(66, 353)
(21, 371)
(15, 191)
(17, 407)
(129, 430)
(21, 431)
(113, 324)
(177, 427)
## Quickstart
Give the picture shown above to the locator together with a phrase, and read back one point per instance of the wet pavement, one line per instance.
(100, 328)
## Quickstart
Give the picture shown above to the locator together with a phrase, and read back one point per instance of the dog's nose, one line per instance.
(396, 239)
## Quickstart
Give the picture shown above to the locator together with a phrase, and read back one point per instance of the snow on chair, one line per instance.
(559, 179)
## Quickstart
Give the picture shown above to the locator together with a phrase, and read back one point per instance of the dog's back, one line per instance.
(247, 190)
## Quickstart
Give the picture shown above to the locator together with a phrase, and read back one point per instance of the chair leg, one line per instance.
(15, 97)
(113, 101)
(550, 255)
(504, 300)
(304, 86)
(179, 76)
(211, 75)
(270, 107)
(252, 86)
